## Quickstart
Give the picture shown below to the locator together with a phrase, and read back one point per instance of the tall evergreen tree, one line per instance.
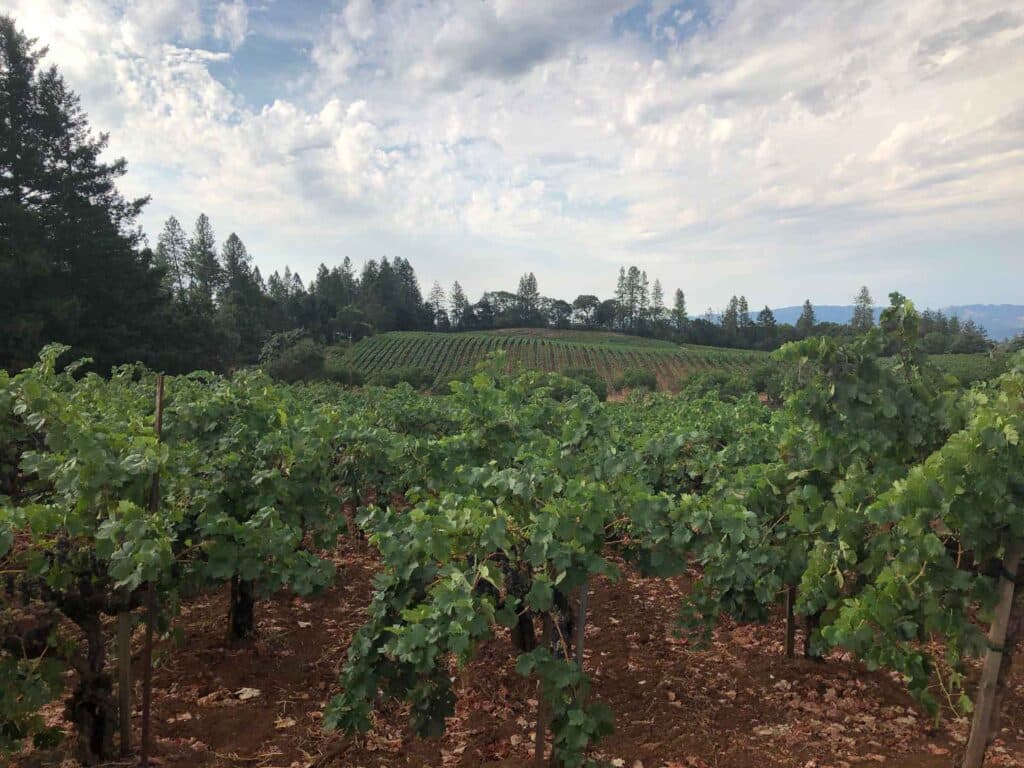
(621, 299)
(71, 264)
(657, 303)
(237, 264)
(438, 307)
(643, 301)
(242, 312)
(203, 269)
(631, 299)
(679, 317)
(171, 248)
(806, 322)
(766, 319)
(410, 311)
(348, 283)
(743, 314)
(528, 300)
(731, 317)
(863, 311)
(460, 309)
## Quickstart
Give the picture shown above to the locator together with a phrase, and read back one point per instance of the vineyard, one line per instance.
(515, 572)
(445, 355)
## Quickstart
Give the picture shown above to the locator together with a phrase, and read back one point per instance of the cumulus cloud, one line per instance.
(231, 22)
(705, 139)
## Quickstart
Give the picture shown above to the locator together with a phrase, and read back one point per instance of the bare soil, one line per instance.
(737, 704)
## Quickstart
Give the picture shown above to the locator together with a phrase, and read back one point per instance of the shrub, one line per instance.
(417, 378)
(589, 377)
(343, 374)
(303, 361)
(935, 343)
(727, 386)
(636, 378)
(280, 343)
(769, 378)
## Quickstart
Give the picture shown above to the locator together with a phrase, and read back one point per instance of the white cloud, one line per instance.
(571, 136)
(231, 23)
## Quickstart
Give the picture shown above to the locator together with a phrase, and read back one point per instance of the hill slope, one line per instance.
(445, 354)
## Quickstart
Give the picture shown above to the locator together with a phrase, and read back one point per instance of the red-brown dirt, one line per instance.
(737, 704)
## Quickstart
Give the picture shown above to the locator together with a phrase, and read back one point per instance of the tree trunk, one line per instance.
(989, 685)
(241, 615)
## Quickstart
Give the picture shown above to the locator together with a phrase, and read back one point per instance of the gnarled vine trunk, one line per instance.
(93, 706)
(241, 611)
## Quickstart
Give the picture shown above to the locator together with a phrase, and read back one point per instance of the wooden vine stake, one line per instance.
(124, 679)
(988, 686)
(147, 650)
(790, 622)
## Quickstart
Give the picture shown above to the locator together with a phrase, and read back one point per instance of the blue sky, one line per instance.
(782, 150)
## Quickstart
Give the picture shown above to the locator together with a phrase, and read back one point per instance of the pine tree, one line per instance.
(202, 268)
(766, 322)
(171, 248)
(621, 299)
(679, 318)
(657, 303)
(410, 310)
(437, 303)
(242, 309)
(349, 284)
(863, 311)
(806, 322)
(237, 264)
(643, 301)
(277, 286)
(731, 317)
(766, 318)
(743, 316)
(528, 300)
(71, 263)
(631, 310)
(460, 309)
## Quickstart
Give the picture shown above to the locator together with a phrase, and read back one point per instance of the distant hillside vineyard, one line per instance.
(608, 354)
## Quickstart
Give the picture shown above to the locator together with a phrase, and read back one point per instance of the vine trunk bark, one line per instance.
(241, 613)
(92, 707)
(124, 680)
(543, 711)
